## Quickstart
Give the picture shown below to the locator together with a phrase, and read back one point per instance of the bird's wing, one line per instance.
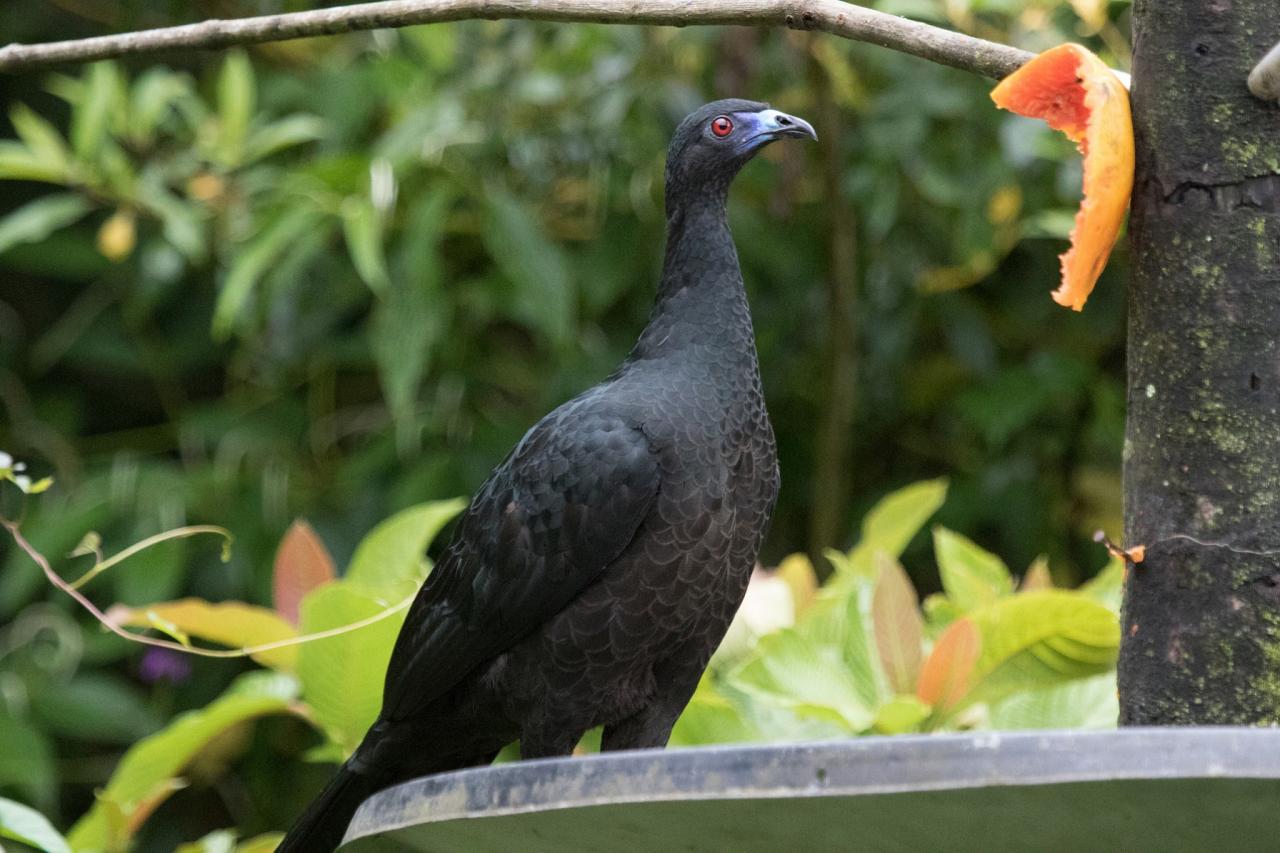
(564, 505)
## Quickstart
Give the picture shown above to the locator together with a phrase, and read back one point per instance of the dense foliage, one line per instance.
(335, 279)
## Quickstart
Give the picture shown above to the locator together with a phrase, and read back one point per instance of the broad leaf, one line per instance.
(1083, 703)
(795, 672)
(148, 768)
(894, 521)
(390, 562)
(1107, 586)
(94, 706)
(27, 761)
(971, 576)
(948, 672)
(342, 676)
(711, 718)
(230, 623)
(899, 630)
(25, 824)
(840, 619)
(1038, 639)
(302, 563)
(901, 714)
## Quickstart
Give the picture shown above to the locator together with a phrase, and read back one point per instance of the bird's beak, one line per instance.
(779, 125)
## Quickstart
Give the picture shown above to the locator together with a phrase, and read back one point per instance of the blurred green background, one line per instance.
(333, 278)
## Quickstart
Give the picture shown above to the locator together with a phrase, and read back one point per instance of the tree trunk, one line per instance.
(1201, 623)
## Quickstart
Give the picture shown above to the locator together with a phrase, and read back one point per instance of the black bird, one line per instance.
(599, 566)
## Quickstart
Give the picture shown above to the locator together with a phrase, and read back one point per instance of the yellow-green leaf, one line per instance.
(901, 714)
(230, 623)
(1038, 639)
(894, 521)
(150, 764)
(342, 676)
(971, 576)
(390, 562)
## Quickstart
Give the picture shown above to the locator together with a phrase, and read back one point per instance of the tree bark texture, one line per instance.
(1201, 621)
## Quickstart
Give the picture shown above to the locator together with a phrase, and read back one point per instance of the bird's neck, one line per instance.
(701, 304)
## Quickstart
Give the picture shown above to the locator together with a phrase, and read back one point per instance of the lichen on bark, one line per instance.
(1202, 453)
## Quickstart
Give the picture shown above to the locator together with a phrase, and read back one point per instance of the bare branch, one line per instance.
(1264, 80)
(829, 16)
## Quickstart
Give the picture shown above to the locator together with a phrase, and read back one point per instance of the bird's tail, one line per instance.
(322, 825)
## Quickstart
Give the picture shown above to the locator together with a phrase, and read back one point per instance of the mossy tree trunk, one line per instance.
(1201, 641)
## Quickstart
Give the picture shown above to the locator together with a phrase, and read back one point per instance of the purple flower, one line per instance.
(164, 665)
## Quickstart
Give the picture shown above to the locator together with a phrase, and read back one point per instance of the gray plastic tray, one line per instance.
(1160, 790)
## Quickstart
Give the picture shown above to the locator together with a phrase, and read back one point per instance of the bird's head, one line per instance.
(717, 139)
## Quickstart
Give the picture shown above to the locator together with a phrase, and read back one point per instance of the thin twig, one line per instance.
(1264, 80)
(244, 651)
(830, 16)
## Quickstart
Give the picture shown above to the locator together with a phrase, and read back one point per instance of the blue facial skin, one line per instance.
(753, 131)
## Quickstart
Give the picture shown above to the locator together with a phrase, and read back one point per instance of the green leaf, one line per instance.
(1107, 587)
(792, 670)
(148, 768)
(1039, 639)
(342, 676)
(19, 163)
(237, 93)
(36, 220)
(543, 297)
(390, 561)
(412, 317)
(1083, 703)
(902, 714)
(362, 227)
(27, 825)
(971, 576)
(94, 706)
(894, 521)
(252, 262)
(711, 718)
(840, 619)
(182, 224)
(155, 91)
(26, 760)
(92, 112)
(288, 132)
(42, 138)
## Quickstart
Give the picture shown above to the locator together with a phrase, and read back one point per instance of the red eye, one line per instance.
(722, 126)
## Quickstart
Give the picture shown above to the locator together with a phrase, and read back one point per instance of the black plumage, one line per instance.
(597, 569)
